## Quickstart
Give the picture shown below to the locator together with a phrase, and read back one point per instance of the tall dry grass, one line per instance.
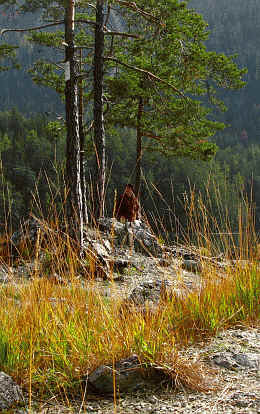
(52, 335)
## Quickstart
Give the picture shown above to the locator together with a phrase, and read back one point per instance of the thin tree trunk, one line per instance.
(74, 200)
(99, 131)
(139, 152)
(82, 147)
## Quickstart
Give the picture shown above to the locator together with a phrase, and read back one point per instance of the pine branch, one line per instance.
(147, 73)
(150, 135)
(161, 138)
(132, 5)
(32, 28)
(107, 32)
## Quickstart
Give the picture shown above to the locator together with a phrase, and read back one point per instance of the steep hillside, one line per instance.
(235, 29)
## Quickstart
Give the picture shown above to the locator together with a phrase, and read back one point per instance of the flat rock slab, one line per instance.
(231, 360)
(10, 392)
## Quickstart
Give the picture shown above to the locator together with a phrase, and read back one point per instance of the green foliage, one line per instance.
(48, 39)
(5, 143)
(42, 74)
(175, 122)
(55, 129)
(7, 54)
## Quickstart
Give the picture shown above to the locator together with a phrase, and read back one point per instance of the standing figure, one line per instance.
(127, 205)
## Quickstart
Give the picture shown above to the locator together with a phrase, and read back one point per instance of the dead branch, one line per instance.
(29, 29)
(84, 75)
(150, 135)
(90, 127)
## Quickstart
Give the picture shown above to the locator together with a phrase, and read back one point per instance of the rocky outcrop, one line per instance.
(104, 243)
(136, 233)
(112, 247)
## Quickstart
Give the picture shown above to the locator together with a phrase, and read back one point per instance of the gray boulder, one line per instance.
(151, 291)
(128, 373)
(4, 274)
(192, 266)
(98, 246)
(10, 393)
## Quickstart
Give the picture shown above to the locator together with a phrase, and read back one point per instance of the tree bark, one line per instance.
(73, 182)
(82, 147)
(139, 152)
(99, 131)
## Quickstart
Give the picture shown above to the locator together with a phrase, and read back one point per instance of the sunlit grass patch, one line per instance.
(219, 304)
(51, 336)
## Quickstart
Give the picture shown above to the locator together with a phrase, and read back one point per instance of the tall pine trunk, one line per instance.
(99, 131)
(139, 152)
(73, 182)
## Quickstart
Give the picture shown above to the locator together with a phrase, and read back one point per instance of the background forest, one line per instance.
(32, 138)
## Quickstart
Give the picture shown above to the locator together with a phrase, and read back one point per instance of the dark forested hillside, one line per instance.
(17, 88)
(235, 29)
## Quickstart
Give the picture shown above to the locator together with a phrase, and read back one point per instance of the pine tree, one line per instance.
(166, 81)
